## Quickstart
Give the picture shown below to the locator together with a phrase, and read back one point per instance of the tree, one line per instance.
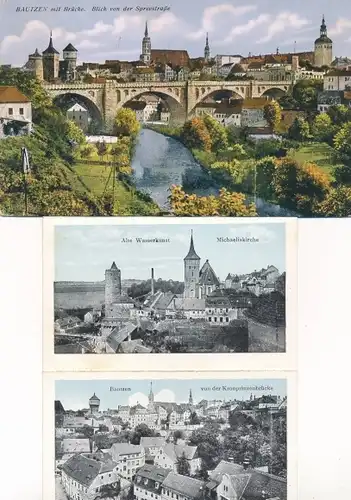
(194, 419)
(273, 114)
(102, 441)
(265, 170)
(217, 133)
(110, 491)
(305, 93)
(101, 147)
(183, 466)
(300, 187)
(337, 203)
(177, 435)
(299, 130)
(74, 133)
(342, 140)
(208, 445)
(322, 128)
(141, 430)
(226, 204)
(339, 114)
(87, 431)
(126, 123)
(195, 135)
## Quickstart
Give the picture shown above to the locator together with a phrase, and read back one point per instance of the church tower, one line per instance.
(323, 48)
(51, 62)
(191, 402)
(207, 53)
(113, 285)
(151, 398)
(191, 272)
(146, 47)
(35, 61)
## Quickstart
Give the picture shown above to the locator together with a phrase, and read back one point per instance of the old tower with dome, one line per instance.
(323, 47)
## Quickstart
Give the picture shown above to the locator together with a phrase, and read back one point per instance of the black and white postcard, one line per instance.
(188, 287)
(197, 438)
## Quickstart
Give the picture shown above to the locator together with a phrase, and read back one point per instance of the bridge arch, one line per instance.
(65, 100)
(274, 92)
(170, 99)
(202, 94)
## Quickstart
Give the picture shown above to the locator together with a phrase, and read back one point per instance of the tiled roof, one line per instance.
(192, 255)
(82, 469)
(164, 301)
(148, 442)
(117, 336)
(153, 472)
(207, 275)
(224, 468)
(119, 449)
(339, 72)
(70, 48)
(76, 446)
(11, 95)
(189, 304)
(175, 451)
(174, 57)
(184, 485)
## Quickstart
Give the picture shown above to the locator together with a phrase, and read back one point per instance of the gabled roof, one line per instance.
(118, 335)
(11, 95)
(148, 442)
(153, 472)
(82, 469)
(184, 485)
(120, 449)
(175, 451)
(207, 275)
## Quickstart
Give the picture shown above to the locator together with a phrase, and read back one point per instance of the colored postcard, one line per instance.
(230, 436)
(121, 291)
(188, 109)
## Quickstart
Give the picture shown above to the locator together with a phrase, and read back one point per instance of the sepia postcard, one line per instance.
(203, 108)
(126, 291)
(195, 437)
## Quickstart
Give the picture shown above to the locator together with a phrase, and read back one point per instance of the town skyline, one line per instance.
(83, 253)
(75, 394)
(232, 28)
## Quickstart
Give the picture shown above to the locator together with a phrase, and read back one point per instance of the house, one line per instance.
(181, 487)
(83, 478)
(15, 110)
(242, 482)
(189, 308)
(169, 455)
(252, 112)
(225, 69)
(270, 274)
(79, 115)
(129, 458)
(227, 114)
(337, 80)
(148, 482)
(119, 335)
(152, 445)
(66, 325)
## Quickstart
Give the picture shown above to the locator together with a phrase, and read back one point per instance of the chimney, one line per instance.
(152, 282)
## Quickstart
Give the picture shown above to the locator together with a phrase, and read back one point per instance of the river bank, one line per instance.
(197, 178)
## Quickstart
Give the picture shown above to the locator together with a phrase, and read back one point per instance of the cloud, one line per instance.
(340, 27)
(165, 396)
(242, 29)
(163, 22)
(138, 398)
(282, 22)
(210, 15)
(88, 44)
(98, 29)
(31, 30)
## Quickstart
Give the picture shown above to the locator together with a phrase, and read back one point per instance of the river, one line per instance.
(160, 161)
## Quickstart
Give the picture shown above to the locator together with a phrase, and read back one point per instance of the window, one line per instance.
(10, 111)
(21, 111)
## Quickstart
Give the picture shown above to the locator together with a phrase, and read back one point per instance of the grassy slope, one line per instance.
(319, 153)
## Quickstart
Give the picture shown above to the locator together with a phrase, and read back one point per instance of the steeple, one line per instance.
(145, 55)
(192, 255)
(113, 265)
(324, 31)
(151, 395)
(50, 49)
(207, 49)
(146, 34)
(190, 397)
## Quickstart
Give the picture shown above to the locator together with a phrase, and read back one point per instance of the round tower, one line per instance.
(113, 285)
(70, 62)
(51, 62)
(146, 47)
(36, 62)
(323, 47)
(191, 272)
(94, 404)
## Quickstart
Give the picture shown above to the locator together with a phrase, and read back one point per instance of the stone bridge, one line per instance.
(103, 100)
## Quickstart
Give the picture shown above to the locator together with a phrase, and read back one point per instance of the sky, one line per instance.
(234, 27)
(75, 394)
(83, 253)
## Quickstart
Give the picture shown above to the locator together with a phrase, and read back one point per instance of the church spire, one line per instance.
(207, 49)
(146, 34)
(192, 254)
(151, 394)
(323, 27)
(190, 397)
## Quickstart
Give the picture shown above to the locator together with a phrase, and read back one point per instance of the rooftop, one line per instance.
(184, 485)
(11, 95)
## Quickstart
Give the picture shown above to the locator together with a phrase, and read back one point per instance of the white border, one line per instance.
(171, 362)
(49, 414)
